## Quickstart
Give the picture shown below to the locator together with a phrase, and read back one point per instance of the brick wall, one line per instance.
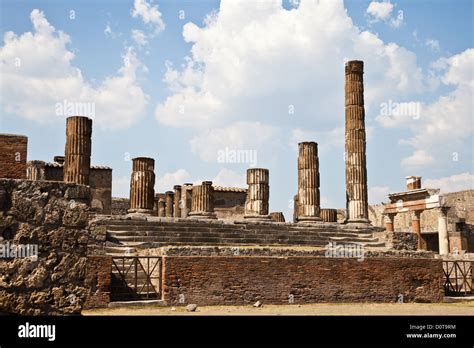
(97, 279)
(227, 280)
(13, 152)
(100, 182)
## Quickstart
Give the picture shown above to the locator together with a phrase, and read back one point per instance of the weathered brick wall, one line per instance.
(228, 280)
(56, 218)
(97, 279)
(100, 182)
(13, 153)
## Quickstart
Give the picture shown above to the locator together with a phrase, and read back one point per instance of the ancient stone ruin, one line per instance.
(206, 244)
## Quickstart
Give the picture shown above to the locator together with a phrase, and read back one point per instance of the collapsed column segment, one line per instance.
(77, 151)
(142, 183)
(256, 204)
(308, 182)
(202, 205)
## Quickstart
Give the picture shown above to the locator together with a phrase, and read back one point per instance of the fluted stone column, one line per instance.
(161, 207)
(277, 216)
(177, 201)
(169, 201)
(355, 146)
(443, 231)
(77, 152)
(258, 193)
(142, 183)
(308, 182)
(35, 170)
(329, 215)
(186, 199)
(202, 205)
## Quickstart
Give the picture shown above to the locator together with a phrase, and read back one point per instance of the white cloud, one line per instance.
(167, 181)
(108, 30)
(445, 124)
(149, 14)
(38, 74)
(252, 60)
(246, 140)
(227, 177)
(380, 10)
(433, 44)
(139, 37)
(458, 182)
(378, 194)
(418, 159)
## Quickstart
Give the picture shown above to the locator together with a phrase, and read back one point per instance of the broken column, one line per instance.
(202, 205)
(356, 170)
(169, 203)
(389, 222)
(35, 170)
(308, 182)
(177, 201)
(142, 183)
(277, 216)
(161, 207)
(78, 150)
(258, 193)
(329, 215)
(186, 199)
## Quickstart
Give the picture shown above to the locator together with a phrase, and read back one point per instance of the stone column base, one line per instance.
(309, 219)
(140, 211)
(202, 215)
(358, 222)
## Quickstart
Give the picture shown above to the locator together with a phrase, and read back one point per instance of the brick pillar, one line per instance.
(202, 205)
(277, 217)
(416, 228)
(77, 152)
(177, 201)
(356, 170)
(161, 207)
(35, 170)
(169, 202)
(389, 222)
(329, 215)
(258, 193)
(142, 183)
(308, 182)
(186, 199)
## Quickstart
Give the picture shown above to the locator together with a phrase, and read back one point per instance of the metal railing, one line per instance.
(136, 277)
(458, 278)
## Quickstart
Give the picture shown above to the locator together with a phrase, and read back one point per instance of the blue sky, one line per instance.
(182, 81)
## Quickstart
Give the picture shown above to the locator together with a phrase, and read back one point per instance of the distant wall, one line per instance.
(120, 206)
(235, 280)
(13, 153)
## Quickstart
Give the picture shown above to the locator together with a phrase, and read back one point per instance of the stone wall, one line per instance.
(237, 280)
(13, 153)
(56, 218)
(100, 181)
(119, 206)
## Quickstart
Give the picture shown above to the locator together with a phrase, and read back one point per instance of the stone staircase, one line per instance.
(126, 236)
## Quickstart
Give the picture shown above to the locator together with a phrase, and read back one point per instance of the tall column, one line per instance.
(77, 152)
(186, 199)
(142, 183)
(202, 206)
(308, 182)
(329, 215)
(389, 222)
(169, 201)
(258, 193)
(443, 231)
(177, 201)
(356, 170)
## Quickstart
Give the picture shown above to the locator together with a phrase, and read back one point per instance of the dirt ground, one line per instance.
(458, 308)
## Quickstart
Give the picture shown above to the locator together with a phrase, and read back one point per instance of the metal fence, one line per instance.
(457, 278)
